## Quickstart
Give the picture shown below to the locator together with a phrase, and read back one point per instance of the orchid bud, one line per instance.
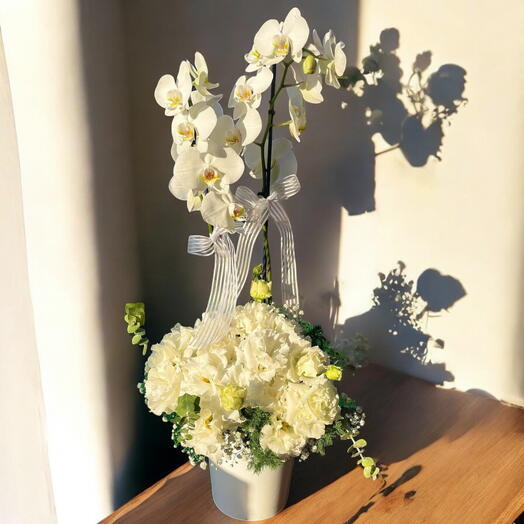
(309, 65)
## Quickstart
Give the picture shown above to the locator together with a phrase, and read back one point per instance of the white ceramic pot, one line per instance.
(243, 494)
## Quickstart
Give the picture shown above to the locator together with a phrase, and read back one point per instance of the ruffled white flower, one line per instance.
(200, 73)
(331, 56)
(281, 439)
(283, 160)
(206, 437)
(305, 361)
(164, 371)
(310, 406)
(219, 209)
(263, 361)
(174, 96)
(297, 112)
(276, 40)
(197, 171)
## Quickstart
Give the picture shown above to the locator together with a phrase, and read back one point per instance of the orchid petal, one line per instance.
(250, 126)
(183, 81)
(187, 174)
(297, 29)
(165, 84)
(230, 164)
(200, 62)
(261, 81)
(263, 41)
(204, 119)
(215, 210)
(340, 59)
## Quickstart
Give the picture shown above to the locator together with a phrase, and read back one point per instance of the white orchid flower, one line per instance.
(283, 161)
(276, 40)
(174, 96)
(195, 124)
(245, 97)
(219, 210)
(198, 171)
(331, 56)
(227, 134)
(310, 85)
(247, 92)
(297, 112)
(256, 61)
(200, 74)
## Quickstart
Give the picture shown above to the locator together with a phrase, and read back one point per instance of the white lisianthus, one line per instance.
(164, 371)
(200, 74)
(174, 96)
(306, 361)
(309, 406)
(297, 112)
(197, 171)
(332, 58)
(220, 210)
(280, 438)
(276, 40)
(283, 160)
(206, 437)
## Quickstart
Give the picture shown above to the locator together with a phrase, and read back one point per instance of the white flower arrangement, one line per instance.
(253, 381)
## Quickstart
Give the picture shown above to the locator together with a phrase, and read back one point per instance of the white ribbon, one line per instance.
(259, 209)
(222, 299)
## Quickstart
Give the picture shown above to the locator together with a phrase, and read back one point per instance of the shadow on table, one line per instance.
(393, 435)
(387, 490)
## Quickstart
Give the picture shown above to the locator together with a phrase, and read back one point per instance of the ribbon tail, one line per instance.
(290, 296)
(222, 298)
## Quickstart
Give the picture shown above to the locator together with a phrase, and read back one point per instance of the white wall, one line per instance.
(23, 462)
(66, 72)
(462, 216)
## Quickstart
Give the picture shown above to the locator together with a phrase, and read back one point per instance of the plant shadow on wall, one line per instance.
(409, 116)
(397, 322)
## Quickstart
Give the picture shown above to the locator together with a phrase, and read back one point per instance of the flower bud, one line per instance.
(334, 372)
(309, 65)
(232, 397)
(260, 290)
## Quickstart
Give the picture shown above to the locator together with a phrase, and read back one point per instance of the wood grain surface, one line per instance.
(451, 457)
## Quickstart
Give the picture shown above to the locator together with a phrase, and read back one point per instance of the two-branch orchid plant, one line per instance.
(253, 382)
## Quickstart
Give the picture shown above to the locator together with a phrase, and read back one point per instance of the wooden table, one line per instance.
(452, 458)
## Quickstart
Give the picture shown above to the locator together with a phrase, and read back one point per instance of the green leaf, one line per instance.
(136, 339)
(367, 471)
(367, 462)
(360, 443)
(187, 405)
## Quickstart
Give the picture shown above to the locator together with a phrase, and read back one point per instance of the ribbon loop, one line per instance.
(259, 210)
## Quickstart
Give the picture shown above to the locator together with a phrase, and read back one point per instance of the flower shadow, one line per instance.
(409, 115)
(397, 322)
